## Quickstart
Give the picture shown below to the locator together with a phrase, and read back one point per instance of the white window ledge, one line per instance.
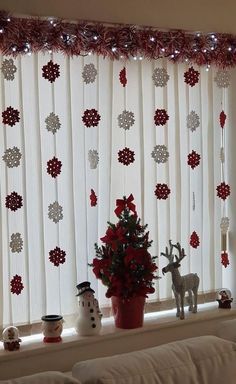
(159, 328)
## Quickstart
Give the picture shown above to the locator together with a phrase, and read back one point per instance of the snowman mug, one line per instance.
(52, 326)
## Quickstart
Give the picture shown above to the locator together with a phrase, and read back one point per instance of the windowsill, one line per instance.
(33, 345)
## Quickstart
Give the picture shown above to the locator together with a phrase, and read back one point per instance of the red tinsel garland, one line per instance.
(26, 35)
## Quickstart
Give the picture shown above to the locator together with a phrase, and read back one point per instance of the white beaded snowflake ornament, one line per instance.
(160, 154)
(126, 120)
(8, 69)
(52, 123)
(222, 78)
(89, 73)
(55, 212)
(193, 121)
(12, 157)
(93, 158)
(160, 77)
(16, 243)
(224, 225)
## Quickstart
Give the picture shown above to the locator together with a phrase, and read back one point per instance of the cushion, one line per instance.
(199, 360)
(43, 378)
(227, 330)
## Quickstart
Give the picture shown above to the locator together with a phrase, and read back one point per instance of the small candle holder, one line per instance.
(52, 326)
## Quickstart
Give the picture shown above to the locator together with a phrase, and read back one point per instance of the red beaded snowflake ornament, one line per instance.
(191, 77)
(91, 118)
(16, 285)
(54, 167)
(160, 117)
(223, 190)
(126, 156)
(14, 201)
(57, 256)
(51, 71)
(162, 191)
(193, 159)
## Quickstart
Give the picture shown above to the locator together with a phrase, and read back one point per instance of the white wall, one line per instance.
(210, 16)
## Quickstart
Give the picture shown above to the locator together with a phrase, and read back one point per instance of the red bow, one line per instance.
(121, 204)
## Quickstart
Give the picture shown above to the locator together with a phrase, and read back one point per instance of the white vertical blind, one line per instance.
(49, 288)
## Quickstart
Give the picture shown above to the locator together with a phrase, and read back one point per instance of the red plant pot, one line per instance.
(128, 313)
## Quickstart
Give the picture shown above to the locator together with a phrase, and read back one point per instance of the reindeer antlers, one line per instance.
(181, 252)
(169, 255)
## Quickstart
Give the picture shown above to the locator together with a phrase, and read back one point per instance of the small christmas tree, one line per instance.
(123, 263)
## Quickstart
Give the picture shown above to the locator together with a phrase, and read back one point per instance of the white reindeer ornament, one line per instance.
(181, 284)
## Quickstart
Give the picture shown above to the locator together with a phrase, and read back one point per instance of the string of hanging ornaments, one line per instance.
(19, 35)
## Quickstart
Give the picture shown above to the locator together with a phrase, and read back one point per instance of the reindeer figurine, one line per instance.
(181, 284)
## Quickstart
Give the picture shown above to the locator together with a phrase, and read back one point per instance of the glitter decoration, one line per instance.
(91, 118)
(8, 69)
(126, 156)
(126, 119)
(55, 212)
(160, 77)
(160, 117)
(193, 159)
(193, 121)
(14, 201)
(10, 116)
(162, 191)
(52, 123)
(89, 73)
(12, 157)
(191, 77)
(51, 71)
(16, 243)
(16, 284)
(160, 154)
(57, 256)
(93, 158)
(222, 78)
(224, 224)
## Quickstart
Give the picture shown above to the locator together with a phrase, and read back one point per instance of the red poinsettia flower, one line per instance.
(93, 198)
(51, 71)
(14, 201)
(10, 116)
(91, 117)
(222, 119)
(223, 190)
(126, 156)
(191, 77)
(122, 76)
(224, 259)
(160, 117)
(54, 167)
(162, 191)
(57, 256)
(16, 284)
(194, 240)
(114, 236)
(193, 159)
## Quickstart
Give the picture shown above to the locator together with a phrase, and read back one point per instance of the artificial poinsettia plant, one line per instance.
(123, 262)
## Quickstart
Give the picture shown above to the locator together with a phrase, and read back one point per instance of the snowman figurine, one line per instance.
(88, 322)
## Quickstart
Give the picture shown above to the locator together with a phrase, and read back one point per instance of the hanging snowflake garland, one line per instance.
(222, 119)
(193, 159)
(222, 78)
(193, 121)
(8, 69)
(14, 201)
(55, 212)
(162, 191)
(57, 256)
(16, 284)
(52, 123)
(194, 240)
(10, 116)
(160, 77)
(93, 158)
(89, 73)
(93, 198)
(224, 225)
(12, 157)
(54, 167)
(223, 190)
(160, 117)
(91, 118)
(16, 243)
(191, 77)
(51, 71)
(126, 156)
(126, 119)
(122, 77)
(160, 154)
(225, 259)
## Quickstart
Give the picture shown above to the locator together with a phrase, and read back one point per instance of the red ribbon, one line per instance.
(121, 204)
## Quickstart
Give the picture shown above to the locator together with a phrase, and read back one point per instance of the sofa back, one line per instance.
(199, 360)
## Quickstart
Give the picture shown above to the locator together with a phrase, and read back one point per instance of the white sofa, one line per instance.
(199, 360)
